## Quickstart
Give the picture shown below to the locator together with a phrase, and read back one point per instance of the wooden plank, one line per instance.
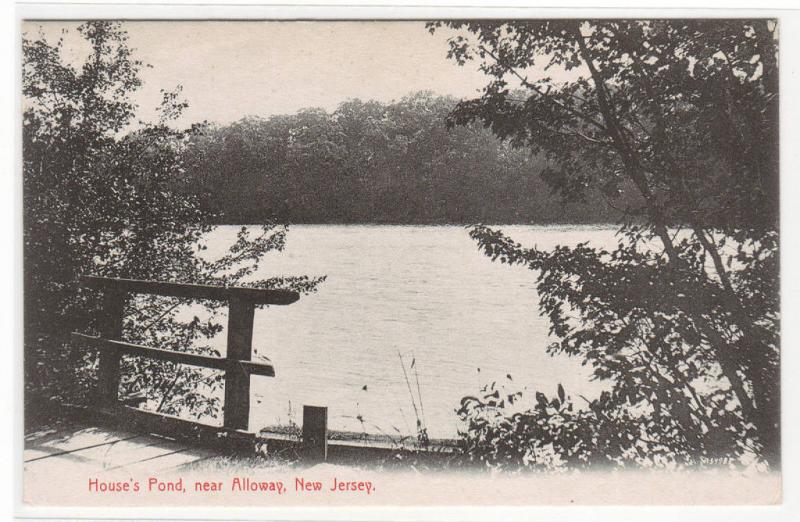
(110, 328)
(130, 452)
(193, 359)
(31, 454)
(353, 453)
(168, 461)
(114, 454)
(139, 421)
(70, 440)
(190, 291)
(154, 353)
(236, 409)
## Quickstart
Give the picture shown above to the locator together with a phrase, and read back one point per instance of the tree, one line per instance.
(99, 199)
(371, 162)
(683, 317)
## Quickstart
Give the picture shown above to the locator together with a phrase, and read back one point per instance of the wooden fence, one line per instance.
(237, 362)
(313, 445)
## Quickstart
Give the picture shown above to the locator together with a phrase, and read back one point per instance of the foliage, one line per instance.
(372, 162)
(99, 199)
(648, 336)
(682, 318)
(552, 435)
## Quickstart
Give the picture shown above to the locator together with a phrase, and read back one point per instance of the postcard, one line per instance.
(484, 262)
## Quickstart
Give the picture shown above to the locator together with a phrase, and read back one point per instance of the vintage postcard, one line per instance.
(515, 262)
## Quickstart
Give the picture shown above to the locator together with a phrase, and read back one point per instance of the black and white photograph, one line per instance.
(436, 262)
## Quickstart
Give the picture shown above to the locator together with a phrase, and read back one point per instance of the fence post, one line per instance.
(315, 433)
(110, 328)
(237, 380)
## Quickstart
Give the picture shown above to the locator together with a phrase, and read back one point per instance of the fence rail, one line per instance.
(192, 291)
(193, 359)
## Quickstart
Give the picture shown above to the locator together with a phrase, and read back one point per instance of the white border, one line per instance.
(11, 190)
(338, 10)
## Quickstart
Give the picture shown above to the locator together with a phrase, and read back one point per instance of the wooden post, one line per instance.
(315, 433)
(110, 328)
(237, 379)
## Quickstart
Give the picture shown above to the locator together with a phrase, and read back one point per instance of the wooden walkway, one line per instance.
(53, 451)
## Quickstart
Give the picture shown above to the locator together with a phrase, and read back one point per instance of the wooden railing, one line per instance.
(237, 362)
(313, 444)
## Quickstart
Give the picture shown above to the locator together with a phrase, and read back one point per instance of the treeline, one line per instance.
(371, 162)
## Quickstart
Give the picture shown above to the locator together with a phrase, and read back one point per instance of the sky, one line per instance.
(230, 70)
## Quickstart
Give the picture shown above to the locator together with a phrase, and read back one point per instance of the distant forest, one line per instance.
(372, 162)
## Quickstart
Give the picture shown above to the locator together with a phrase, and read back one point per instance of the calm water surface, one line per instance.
(425, 292)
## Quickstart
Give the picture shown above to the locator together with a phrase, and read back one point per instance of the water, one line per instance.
(423, 291)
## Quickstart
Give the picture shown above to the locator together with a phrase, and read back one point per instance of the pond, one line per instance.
(423, 294)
